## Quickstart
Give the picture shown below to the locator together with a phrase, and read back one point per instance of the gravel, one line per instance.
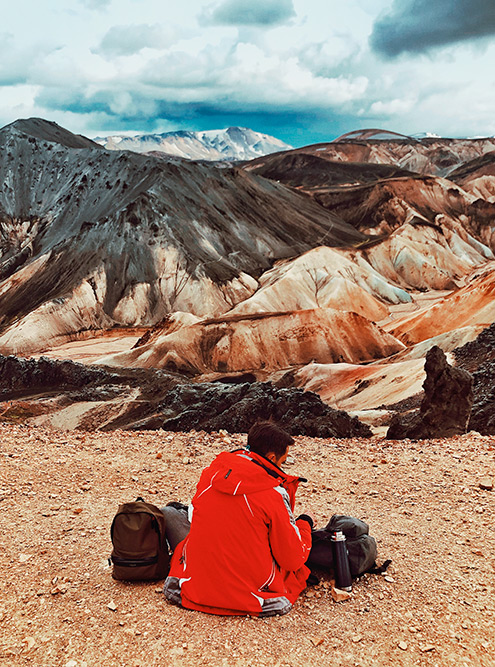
(425, 501)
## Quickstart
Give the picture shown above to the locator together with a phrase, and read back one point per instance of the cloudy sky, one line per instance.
(302, 70)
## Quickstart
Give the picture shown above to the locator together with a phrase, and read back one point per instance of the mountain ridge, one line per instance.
(232, 143)
(124, 238)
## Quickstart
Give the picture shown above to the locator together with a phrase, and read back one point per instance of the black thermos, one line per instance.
(343, 577)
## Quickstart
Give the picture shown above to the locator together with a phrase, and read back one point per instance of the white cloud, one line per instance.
(96, 4)
(389, 108)
(125, 40)
(260, 13)
(136, 71)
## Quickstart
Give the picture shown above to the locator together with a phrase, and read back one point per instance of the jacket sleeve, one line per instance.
(290, 542)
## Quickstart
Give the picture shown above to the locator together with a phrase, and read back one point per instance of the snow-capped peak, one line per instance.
(232, 143)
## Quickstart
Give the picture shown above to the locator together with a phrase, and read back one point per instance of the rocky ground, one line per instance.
(428, 503)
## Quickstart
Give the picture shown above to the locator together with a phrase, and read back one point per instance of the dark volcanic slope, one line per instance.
(88, 210)
(435, 156)
(482, 166)
(378, 198)
(311, 172)
(393, 201)
(46, 130)
(381, 184)
(477, 177)
(377, 195)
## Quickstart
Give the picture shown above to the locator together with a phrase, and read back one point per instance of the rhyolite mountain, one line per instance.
(92, 238)
(331, 268)
(233, 143)
(436, 156)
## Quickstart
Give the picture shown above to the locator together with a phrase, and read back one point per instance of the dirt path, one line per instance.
(423, 500)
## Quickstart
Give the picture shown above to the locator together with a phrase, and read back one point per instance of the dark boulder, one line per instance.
(235, 407)
(446, 405)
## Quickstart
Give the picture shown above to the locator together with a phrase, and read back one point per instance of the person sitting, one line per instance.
(245, 553)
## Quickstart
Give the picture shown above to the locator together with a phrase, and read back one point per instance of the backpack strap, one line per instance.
(379, 569)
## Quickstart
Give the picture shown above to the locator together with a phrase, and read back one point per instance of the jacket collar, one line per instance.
(271, 468)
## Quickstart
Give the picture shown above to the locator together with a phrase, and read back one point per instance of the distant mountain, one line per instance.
(293, 268)
(91, 238)
(428, 156)
(234, 143)
(47, 130)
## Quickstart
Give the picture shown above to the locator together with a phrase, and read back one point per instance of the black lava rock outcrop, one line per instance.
(478, 357)
(483, 411)
(235, 407)
(477, 352)
(446, 406)
(18, 375)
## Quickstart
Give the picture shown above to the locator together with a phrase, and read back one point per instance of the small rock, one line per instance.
(426, 648)
(24, 557)
(186, 460)
(356, 639)
(159, 455)
(317, 641)
(402, 646)
(390, 579)
(339, 595)
(71, 663)
(486, 483)
(30, 642)
(58, 590)
(158, 590)
(112, 606)
(78, 510)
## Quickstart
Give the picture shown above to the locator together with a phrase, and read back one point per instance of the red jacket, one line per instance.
(244, 547)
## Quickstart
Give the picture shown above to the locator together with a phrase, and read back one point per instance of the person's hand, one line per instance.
(306, 517)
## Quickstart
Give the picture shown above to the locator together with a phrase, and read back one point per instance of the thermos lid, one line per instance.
(337, 536)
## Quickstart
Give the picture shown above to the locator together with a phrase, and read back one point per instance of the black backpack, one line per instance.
(140, 549)
(361, 547)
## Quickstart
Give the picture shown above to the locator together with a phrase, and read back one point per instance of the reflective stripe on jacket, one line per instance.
(244, 554)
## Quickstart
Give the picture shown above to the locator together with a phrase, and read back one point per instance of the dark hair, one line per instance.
(265, 437)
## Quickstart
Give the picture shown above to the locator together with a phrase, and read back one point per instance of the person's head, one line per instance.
(269, 440)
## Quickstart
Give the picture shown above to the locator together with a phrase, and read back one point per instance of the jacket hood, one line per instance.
(243, 472)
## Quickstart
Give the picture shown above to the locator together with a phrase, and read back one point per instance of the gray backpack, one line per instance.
(361, 547)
